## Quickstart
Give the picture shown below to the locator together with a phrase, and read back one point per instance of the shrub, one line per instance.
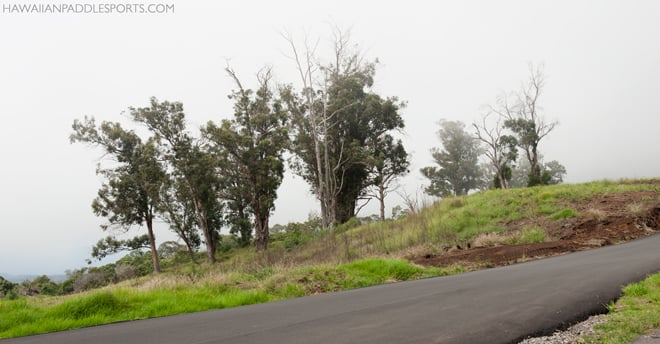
(89, 281)
(6, 287)
(125, 272)
(351, 223)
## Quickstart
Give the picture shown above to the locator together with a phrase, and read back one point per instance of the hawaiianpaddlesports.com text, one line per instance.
(86, 8)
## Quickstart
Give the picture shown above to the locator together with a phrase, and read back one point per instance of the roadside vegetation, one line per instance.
(197, 290)
(634, 314)
(302, 259)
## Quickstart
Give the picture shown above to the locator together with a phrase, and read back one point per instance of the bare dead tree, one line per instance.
(316, 79)
(500, 148)
(523, 118)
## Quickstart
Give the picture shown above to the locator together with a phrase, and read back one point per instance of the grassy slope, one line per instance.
(317, 262)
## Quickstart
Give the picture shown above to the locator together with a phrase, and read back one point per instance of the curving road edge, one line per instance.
(500, 305)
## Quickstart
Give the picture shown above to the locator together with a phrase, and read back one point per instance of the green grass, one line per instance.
(637, 312)
(564, 214)
(529, 236)
(174, 295)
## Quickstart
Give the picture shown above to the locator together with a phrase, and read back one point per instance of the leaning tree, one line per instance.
(131, 192)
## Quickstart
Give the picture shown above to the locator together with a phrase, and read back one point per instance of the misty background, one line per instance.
(446, 59)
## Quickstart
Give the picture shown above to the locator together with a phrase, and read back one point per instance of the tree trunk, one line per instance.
(203, 224)
(191, 253)
(261, 233)
(210, 243)
(152, 244)
(381, 199)
(501, 179)
(344, 206)
(208, 236)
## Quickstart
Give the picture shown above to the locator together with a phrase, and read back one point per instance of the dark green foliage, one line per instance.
(189, 164)
(137, 259)
(228, 243)
(249, 149)
(178, 211)
(295, 238)
(6, 287)
(297, 233)
(338, 129)
(458, 171)
(41, 285)
(131, 193)
(389, 160)
(111, 245)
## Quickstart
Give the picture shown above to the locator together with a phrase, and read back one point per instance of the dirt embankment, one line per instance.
(603, 220)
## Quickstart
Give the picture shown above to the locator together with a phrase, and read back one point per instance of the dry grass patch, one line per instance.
(637, 208)
(596, 214)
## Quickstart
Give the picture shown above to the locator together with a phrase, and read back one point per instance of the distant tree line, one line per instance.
(507, 139)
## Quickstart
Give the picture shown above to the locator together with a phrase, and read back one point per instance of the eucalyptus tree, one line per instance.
(238, 215)
(389, 161)
(252, 144)
(334, 118)
(178, 211)
(130, 194)
(189, 162)
(523, 118)
(458, 171)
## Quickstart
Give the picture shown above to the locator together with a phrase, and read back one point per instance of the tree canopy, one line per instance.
(458, 171)
(131, 192)
(249, 149)
(338, 125)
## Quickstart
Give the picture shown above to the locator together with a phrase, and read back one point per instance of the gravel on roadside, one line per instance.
(571, 335)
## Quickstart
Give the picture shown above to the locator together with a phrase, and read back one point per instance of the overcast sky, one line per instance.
(446, 59)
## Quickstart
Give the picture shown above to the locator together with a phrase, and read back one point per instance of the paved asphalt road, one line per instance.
(499, 305)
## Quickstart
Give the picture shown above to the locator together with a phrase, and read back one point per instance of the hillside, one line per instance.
(452, 236)
(593, 221)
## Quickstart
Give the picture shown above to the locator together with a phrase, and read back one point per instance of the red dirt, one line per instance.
(604, 220)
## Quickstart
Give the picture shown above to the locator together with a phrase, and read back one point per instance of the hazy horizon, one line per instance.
(445, 59)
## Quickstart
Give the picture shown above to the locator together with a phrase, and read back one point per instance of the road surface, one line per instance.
(500, 305)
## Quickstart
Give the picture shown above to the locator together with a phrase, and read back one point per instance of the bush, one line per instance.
(6, 287)
(350, 224)
(295, 238)
(227, 243)
(89, 281)
(125, 272)
(139, 260)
